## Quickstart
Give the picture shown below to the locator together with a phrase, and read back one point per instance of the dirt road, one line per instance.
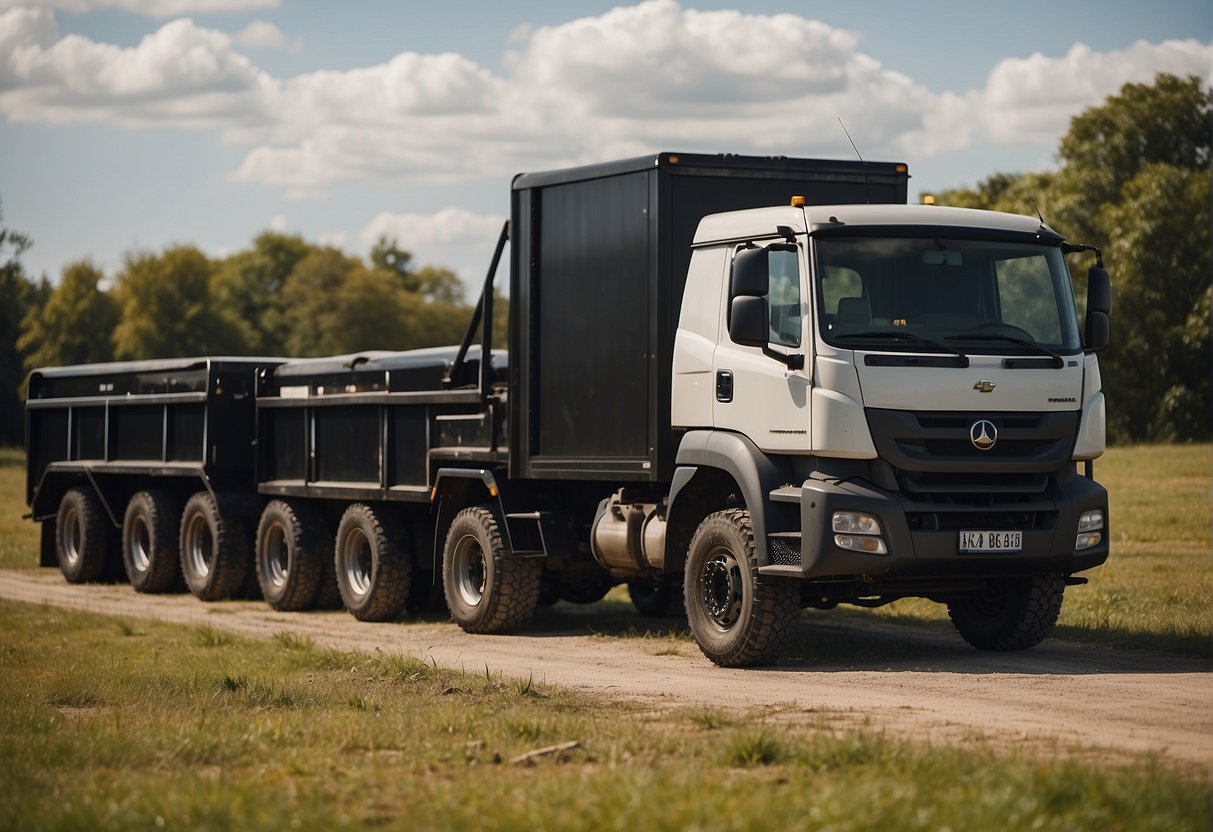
(1062, 697)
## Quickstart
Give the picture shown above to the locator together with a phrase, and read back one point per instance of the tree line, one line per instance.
(1134, 179)
(283, 296)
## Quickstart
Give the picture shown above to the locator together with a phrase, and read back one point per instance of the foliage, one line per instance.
(16, 296)
(1135, 181)
(248, 288)
(65, 329)
(167, 310)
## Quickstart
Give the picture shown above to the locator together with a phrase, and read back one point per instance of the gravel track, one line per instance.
(1062, 697)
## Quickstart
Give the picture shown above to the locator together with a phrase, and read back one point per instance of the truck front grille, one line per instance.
(933, 457)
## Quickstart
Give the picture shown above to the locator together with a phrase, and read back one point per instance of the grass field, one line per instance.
(113, 724)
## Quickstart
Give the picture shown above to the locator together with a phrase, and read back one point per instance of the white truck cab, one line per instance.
(917, 396)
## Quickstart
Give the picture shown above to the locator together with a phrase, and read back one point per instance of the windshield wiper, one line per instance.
(903, 336)
(1058, 361)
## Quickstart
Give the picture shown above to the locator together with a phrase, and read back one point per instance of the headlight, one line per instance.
(1089, 524)
(853, 522)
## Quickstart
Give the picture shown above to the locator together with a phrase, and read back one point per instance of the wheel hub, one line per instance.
(721, 589)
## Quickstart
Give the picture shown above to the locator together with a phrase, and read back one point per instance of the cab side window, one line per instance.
(784, 298)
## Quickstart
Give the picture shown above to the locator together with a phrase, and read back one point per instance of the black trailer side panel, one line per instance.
(600, 255)
(119, 425)
(370, 426)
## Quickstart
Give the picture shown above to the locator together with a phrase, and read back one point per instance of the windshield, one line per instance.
(979, 296)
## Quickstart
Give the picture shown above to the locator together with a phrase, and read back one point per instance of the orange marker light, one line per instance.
(798, 202)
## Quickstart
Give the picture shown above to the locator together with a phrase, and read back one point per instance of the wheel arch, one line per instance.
(719, 470)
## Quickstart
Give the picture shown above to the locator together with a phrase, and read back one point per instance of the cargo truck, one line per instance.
(742, 386)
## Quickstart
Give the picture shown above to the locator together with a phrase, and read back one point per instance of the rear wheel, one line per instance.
(81, 538)
(150, 543)
(486, 591)
(290, 556)
(1013, 614)
(655, 600)
(373, 571)
(215, 551)
(737, 616)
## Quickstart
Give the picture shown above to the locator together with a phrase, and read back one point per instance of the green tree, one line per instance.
(75, 325)
(167, 309)
(248, 290)
(17, 295)
(309, 294)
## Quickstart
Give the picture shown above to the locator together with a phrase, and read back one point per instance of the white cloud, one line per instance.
(1033, 99)
(260, 35)
(151, 8)
(633, 80)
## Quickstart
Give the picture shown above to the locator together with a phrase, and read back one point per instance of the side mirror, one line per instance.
(748, 324)
(1098, 332)
(1099, 290)
(1099, 306)
(751, 274)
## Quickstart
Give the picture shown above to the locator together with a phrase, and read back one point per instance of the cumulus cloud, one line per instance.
(152, 8)
(260, 35)
(633, 80)
(1032, 99)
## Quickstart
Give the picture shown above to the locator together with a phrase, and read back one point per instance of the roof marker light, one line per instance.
(798, 202)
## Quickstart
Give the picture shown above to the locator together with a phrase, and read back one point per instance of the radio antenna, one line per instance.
(866, 194)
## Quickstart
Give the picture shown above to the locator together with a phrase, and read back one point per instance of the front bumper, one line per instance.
(923, 538)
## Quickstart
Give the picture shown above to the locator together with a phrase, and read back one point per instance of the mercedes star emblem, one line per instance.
(983, 434)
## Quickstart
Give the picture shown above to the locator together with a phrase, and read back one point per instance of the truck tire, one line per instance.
(738, 617)
(81, 538)
(1013, 614)
(583, 587)
(150, 541)
(215, 551)
(656, 600)
(290, 555)
(373, 572)
(486, 591)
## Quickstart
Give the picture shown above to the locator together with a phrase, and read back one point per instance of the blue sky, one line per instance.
(132, 124)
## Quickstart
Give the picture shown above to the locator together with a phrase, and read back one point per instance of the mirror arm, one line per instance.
(1073, 248)
(794, 361)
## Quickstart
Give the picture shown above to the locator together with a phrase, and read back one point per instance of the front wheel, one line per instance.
(486, 591)
(1012, 614)
(738, 617)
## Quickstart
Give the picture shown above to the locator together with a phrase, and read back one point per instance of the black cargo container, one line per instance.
(600, 257)
(119, 427)
(371, 426)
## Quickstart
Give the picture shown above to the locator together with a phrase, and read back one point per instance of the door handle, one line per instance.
(724, 385)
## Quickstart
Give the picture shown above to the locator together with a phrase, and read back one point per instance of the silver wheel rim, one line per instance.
(277, 557)
(357, 561)
(720, 589)
(140, 545)
(199, 546)
(71, 537)
(469, 570)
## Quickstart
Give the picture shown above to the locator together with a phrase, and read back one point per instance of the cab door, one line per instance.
(761, 363)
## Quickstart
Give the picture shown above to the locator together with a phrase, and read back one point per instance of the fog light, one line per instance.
(853, 522)
(1087, 539)
(867, 545)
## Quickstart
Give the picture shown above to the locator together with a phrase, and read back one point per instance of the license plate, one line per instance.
(991, 541)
